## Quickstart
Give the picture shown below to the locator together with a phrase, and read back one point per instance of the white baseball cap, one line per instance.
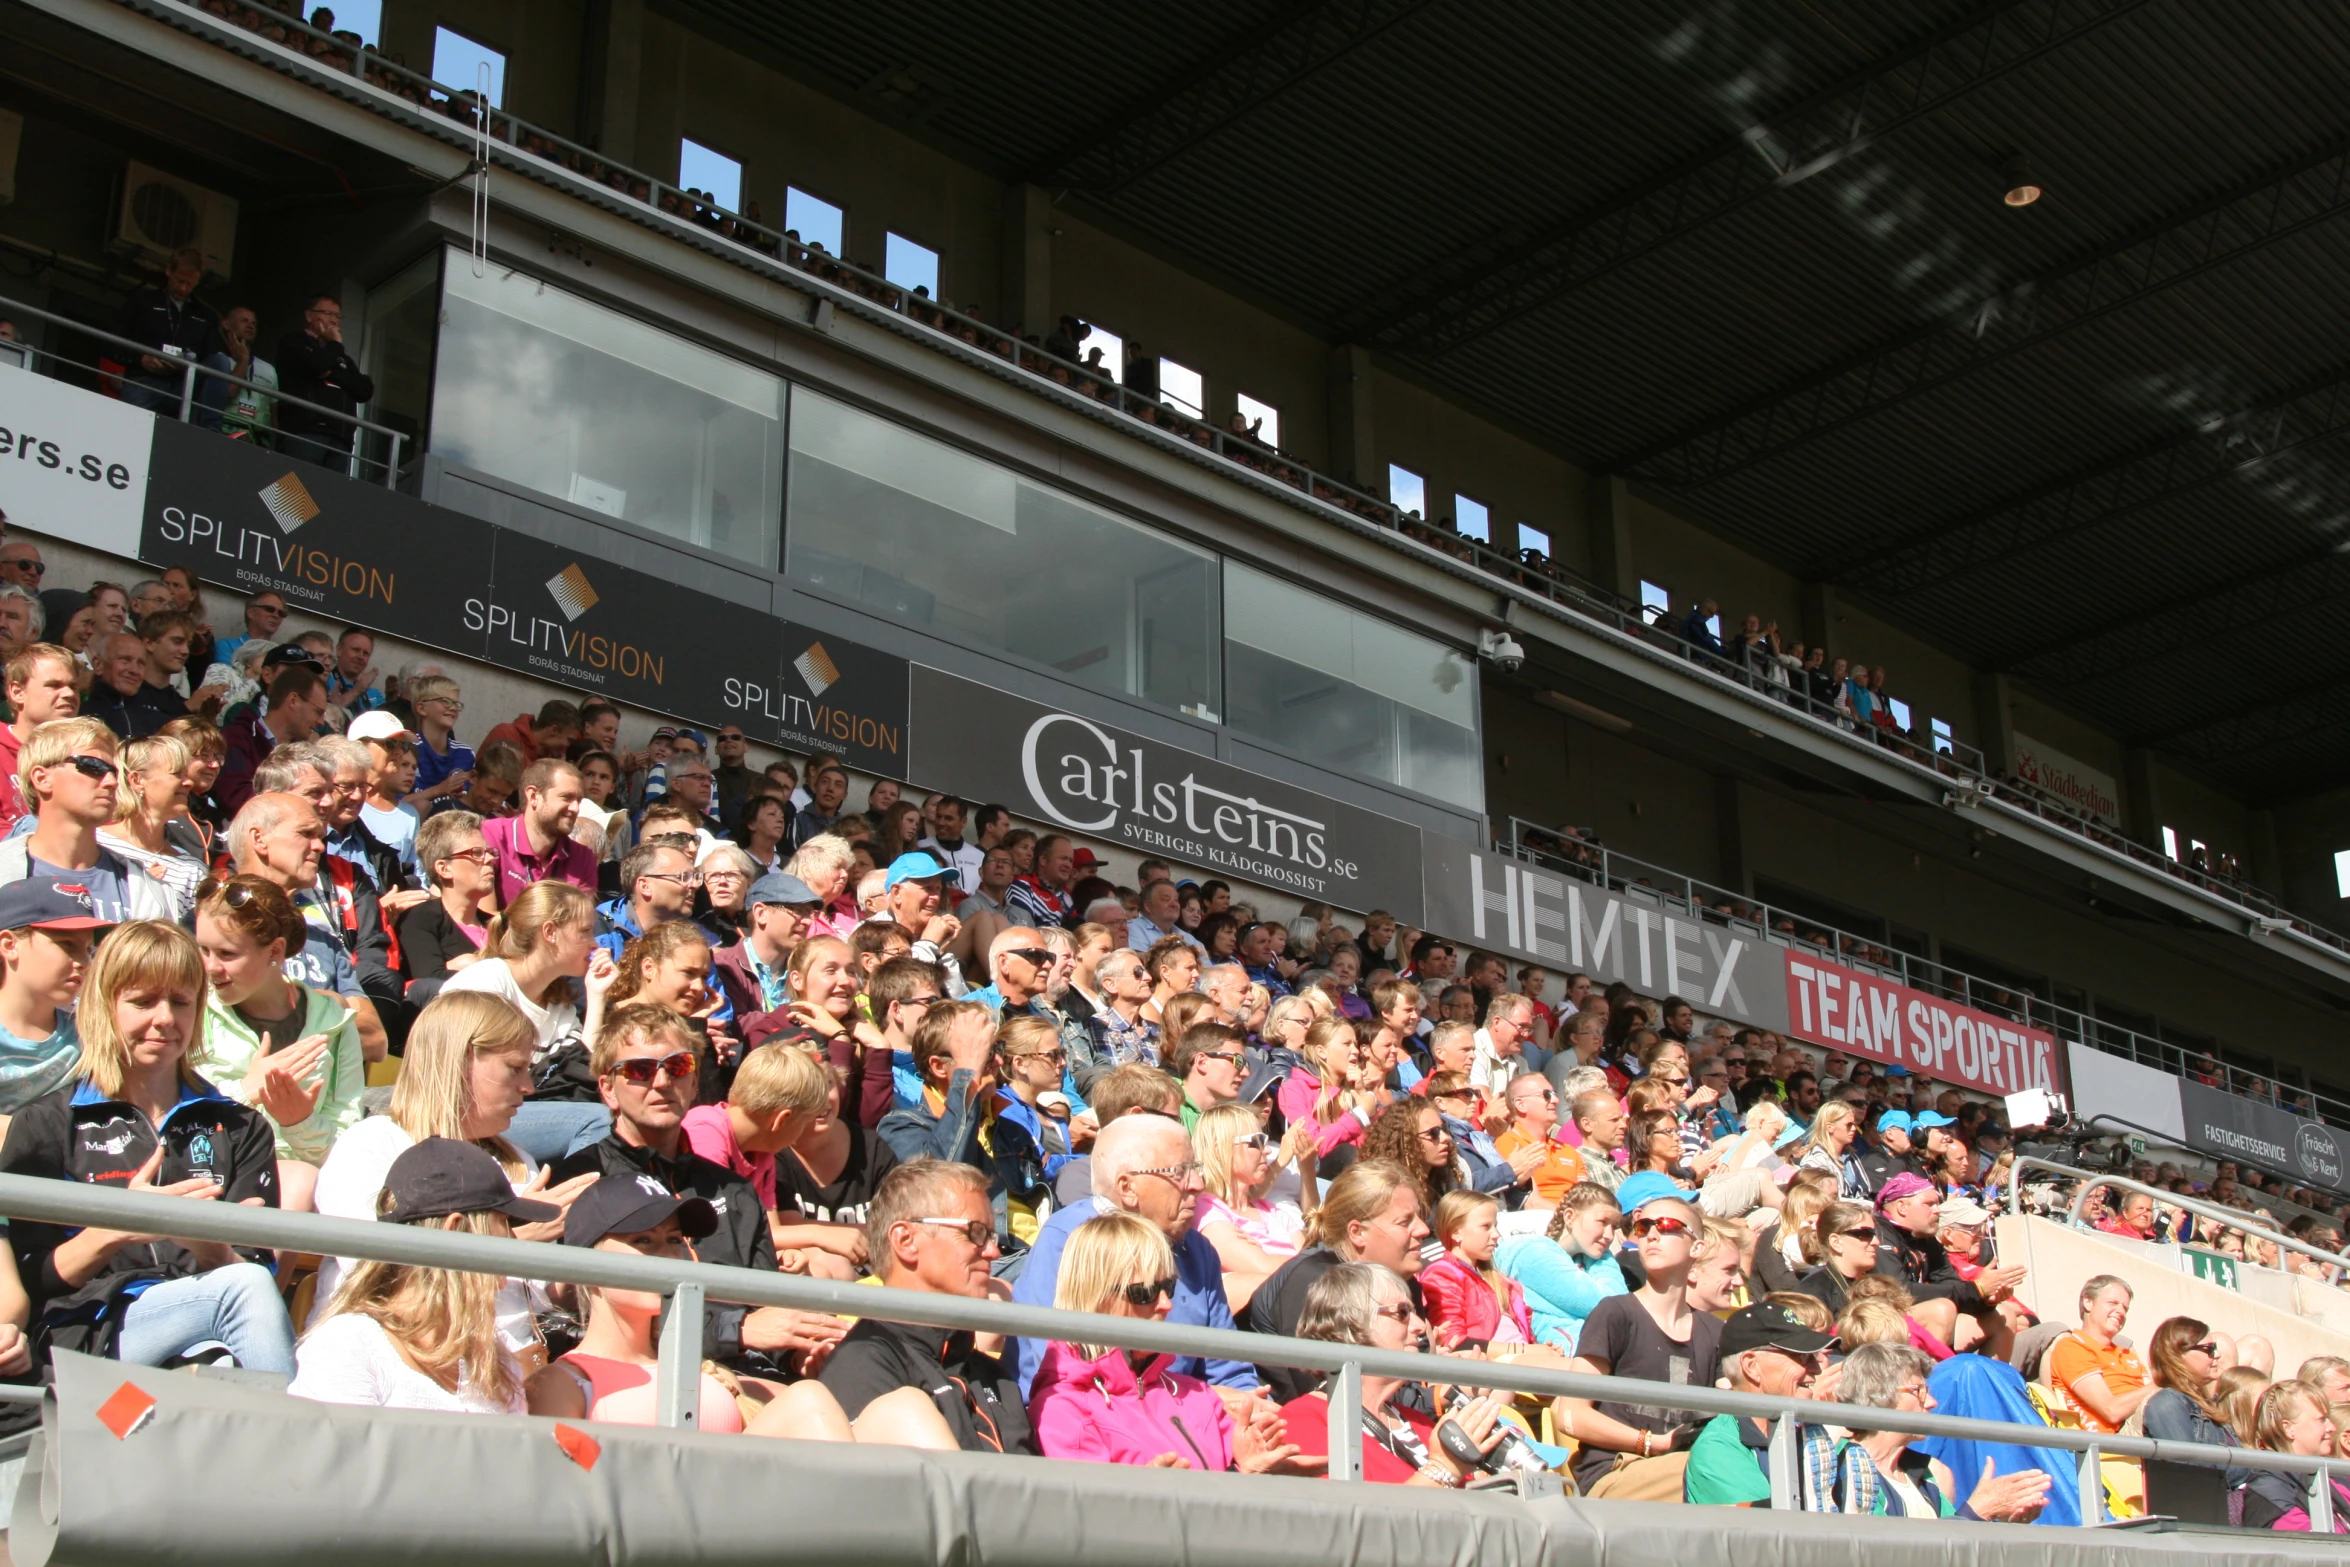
(378, 725)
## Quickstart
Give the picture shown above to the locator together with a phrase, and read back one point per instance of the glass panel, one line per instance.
(1533, 538)
(1407, 491)
(1472, 519)
(1349, 689)
(910, 266)
(721, 177)
(457, 61)
(1264, 419)
(396, 352)
(1182, 388)
(364, 17)
(815, 220)
(583, 403)
(931, 534)
(1113, 352)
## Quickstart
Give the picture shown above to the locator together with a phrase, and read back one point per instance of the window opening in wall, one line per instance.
(2170, 843)
(1263, 418)
(815, 220)
(910, 266)
(2342, 872)
(1472, 519)
(713, 173)
(1113, 349)
(1945, 743)
(1183, 389)
(1533, 538)
(1406, 490)
(364, 17)
(1655, 603)
(1900, 713)
(457, 61)
(1713, 623)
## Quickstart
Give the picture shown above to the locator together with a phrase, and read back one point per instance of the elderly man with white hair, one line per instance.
(1143, 1165)
(281, 838)
(1226, 985)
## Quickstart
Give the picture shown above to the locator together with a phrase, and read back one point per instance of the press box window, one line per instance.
(364, 17)
(1656, 605)
(1533, 538)
(713, 173)
(2342, 872)
(910, 266)
(1406, 490)
(1900, 712)
(2170, 844)
(1263, 418)
(1945, 743)
(1113, 349)
(815, 220)
(457, 61)
(1183, 389)
(1472, 519)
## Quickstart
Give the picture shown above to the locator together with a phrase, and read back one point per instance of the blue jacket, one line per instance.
(1562, 1288)
(964, 1133)
(1199, 1297)
(1488, 1170)
(1697, 633)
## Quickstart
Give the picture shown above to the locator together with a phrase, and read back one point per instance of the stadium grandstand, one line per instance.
(1572, 756)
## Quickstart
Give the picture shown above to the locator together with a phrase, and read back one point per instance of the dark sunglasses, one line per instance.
(236, 894)
(1038, 957)
(1667, 1225)
(1144, 1294)
(642, 1070)
(1863, 1234)
(97, 768)
(1434, 1134)
(2208, 1347)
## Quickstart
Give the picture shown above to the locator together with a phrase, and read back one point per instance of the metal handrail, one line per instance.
(689, 1284)
(190, 369)
(503, 132)
(1611, 871)
(2212, 1211)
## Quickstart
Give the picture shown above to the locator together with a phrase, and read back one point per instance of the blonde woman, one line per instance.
(466, 1073)
(1831, 1138)
(828, 864)
(542, 957)
(401, 1337)
(1104, 1404)
(1324, 1093)
(150, 827)
(1287, 1021)
(1252, 1236)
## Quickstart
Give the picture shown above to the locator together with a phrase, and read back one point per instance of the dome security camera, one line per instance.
(1503, 650)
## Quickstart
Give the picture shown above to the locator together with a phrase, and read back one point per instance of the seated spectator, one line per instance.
(1480, 1161)
(826, 1181)
(1633, 1452)
(1534, 1115)
(398, 1336)
(669, 966)
(1973, 1387)
(645, 1070)
(288, 1050)
(1788, 1248)
(535, 843)
(610, 1375)
(1879, 1471)
(138, 1113)
(149, 832)
(1369, 1214)
(66, 769)
(821, 979)
(2184, 1360)
(1827, 1146)
(464, 1076)
(1141, 1165)
(1766, 1349)
(727, 874)
(1251, 1235)
(1471, 1303)
(2329, 1374)
(1907, 1214)
(1409, 1133)
(445, 934)
(2095, 1376)
(775, 1099)
(1174, 969)
(1323, 1091)
(932, 1229)
(46, 939)
(960, 1067)
(1119, 1406)
(540, 955)
(2290, 1417)
(1571, 1267)
(1367, 1304)
(1844, 1238)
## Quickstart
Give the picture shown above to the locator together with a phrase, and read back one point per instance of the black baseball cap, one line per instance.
(441, 1176)
(41, 904)
(1765, 1326)
(287, 654)
(629, 1204)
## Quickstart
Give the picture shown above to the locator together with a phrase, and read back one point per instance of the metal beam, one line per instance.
(1238, 77)
(2220, 229)
(2084, 636)
(2257, 733)
(2233, 445)
(1514, 270)
(2197, 626)
(2257, 711)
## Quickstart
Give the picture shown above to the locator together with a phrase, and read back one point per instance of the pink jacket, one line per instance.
(1102, 1411)
(1296, 1097)
(1461, 1306)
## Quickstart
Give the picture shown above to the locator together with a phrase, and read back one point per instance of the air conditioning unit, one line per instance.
(161, 213)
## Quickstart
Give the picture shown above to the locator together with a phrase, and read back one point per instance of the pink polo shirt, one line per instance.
(509, 839)
(709, 1133)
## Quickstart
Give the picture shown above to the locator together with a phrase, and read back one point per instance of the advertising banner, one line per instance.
(841, 697)
(1535, 916)
(1829, 1004)
(2075, 782)
(72, 463)
(248, 518)
(2228, 1127)
(1158, 798)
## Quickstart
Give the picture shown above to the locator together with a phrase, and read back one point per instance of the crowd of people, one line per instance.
(272, 934)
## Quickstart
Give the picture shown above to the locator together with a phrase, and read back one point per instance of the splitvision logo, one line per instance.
(817, 668)
(572, 594)
(289, 503)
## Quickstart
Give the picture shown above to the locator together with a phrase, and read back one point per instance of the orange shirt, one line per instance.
(1561, 1166)
(2074, 1357)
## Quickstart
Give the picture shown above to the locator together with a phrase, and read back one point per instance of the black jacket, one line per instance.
(742, 1239)
(1877, 1166)
(428, 940)
(78, 1134)
(1923, 1267)
(153, 317)
(138, 715)
(977, 1394)
(320, 372)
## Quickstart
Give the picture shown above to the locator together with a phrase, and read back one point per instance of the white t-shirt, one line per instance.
(348, 1184)
(553, 1023)
(350, 1360)
(395, 829)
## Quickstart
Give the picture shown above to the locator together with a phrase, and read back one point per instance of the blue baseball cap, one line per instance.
(915, 865)
(1788, 1134)
(1927, 1120)
(1896, 1121)
(1646, 1187)
(1896, 1069)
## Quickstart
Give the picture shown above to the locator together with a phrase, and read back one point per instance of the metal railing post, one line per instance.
(392, 463)
(187, 389)
(1786, 1483)
(2092, 1480)
(1345, 1391)
(2321, 1502)
(677, 1379)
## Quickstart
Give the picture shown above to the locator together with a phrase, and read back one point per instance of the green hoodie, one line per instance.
(231, 1044)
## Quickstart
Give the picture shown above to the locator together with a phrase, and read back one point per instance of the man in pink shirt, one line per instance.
(536, 844)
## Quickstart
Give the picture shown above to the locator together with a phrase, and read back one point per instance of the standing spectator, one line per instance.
(945, 814)
(297, 704)
(180, 329)
(247, 413)
(536, 843)
(69, 773)
(313, 367)
(46, 938)
(43, 685)
(548, 735)
(733, 777)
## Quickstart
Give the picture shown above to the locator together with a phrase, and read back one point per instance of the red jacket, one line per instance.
(518, 732)
(1461, 1307)
(12, 805)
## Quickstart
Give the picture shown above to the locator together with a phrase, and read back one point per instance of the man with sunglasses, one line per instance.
(1143, 1165)
(657, 885)
(646, 1073)
(1019, 966)
(71, 781)
(1211, 1065)
(930, 1229)
(1534, 1119)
